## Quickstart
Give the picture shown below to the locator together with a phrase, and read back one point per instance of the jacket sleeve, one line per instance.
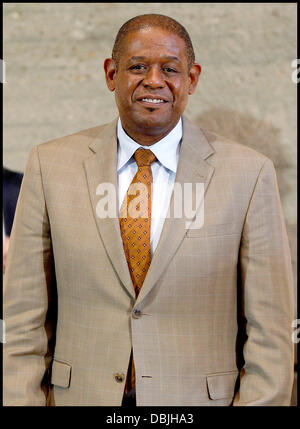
(266, 299)
(29, 296)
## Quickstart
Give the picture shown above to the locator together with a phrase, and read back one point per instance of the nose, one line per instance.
(154, 78)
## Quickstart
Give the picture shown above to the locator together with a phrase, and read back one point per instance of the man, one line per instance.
(11, 187)
(152, 309)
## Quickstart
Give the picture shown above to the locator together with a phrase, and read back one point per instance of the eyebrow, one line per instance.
(141, 58)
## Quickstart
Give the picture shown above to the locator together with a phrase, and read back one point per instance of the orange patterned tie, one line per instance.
(135, 221)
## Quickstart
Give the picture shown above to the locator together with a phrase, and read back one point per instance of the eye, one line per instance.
(138, 67)
(169, 70)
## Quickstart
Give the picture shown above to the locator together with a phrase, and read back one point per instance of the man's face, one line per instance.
(151, 82)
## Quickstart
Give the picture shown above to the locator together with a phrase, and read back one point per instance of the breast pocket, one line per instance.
(210, 230)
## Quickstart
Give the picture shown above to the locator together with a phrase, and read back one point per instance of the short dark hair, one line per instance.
(153, 20)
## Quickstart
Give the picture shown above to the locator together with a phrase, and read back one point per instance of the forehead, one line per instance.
(152, 42)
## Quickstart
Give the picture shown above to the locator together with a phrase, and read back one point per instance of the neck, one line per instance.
(146, 139)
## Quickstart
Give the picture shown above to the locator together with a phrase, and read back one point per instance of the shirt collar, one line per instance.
(166, 150)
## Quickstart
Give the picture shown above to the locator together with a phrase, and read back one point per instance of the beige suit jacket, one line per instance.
(212, 323)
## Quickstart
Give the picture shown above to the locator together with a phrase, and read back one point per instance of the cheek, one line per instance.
(122, 97)
(180, 91)
(125, 92)
(181, 98)
(131, 85)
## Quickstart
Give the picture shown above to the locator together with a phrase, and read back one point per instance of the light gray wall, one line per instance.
(55, 86)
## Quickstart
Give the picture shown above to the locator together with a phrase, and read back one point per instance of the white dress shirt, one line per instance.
(163, 169)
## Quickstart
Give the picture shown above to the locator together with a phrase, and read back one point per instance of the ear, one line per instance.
(194, 77)
(110, 70)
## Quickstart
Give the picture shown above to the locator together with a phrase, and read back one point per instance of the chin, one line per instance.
(152, 123)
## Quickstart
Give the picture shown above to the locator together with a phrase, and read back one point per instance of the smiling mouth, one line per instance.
(152, 102)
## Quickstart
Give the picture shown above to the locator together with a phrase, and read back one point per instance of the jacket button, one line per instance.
(136, 314)
(119, 377)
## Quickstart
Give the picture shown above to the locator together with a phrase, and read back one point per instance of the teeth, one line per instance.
(155, 100)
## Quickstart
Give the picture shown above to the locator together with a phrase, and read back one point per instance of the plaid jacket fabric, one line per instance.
(212, 323)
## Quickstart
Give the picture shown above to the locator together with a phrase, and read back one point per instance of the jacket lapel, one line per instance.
(101, 168)
(193, 169)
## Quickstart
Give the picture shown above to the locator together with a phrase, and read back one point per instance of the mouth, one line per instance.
(151, 101)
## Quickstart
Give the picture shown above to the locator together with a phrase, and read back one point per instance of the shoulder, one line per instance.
(227, 153)
(66, 154)
(74, 145)
(224, 147)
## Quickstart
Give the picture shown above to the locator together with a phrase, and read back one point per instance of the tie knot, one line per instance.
(144, 157)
